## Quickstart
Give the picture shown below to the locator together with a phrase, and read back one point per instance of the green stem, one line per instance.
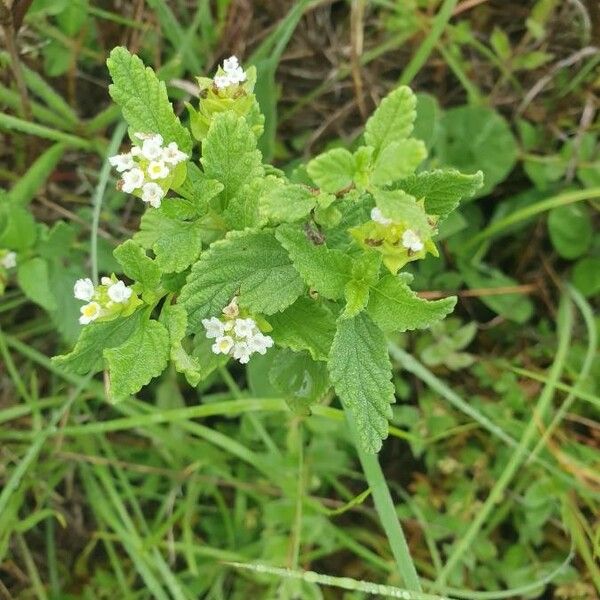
(422, 54)
(387, 512)
(11, 123)
(115, 142)
(530, 211)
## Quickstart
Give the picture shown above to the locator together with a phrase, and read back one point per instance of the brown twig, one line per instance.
(357, 13)
(528, 288)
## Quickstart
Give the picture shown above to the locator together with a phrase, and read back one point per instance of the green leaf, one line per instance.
(477, 138)
(287, 203)
(403, 208)
(198, 190)
(138, 266)
(87, 357)
(397, 160)
(300, 379)
(361, 372)
(586, 276)
(393, 120)
(441, 190)
(327, 271)
(143, 99)
(332, 171)
(175, 319)
(28, 185)
(17, 227)
(33, 279)
(571, 231)
(176, 243)
(365, 273)
(244, 208)
(139, 359)
(427, 122)
(229, 154)
(249, 263)
(395, 307)
(305, 325)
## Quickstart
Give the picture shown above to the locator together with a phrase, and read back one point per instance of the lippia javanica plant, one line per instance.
(235, 258)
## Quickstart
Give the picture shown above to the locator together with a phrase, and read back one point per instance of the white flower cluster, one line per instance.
(234, 336)
(117, 293)
(9, 260)
(410, 240)
(143, 167)
(233, 74)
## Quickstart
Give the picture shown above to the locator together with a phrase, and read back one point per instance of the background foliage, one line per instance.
(155, 497)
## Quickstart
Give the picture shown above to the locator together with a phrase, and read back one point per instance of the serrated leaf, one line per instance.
(327, 271)
(442, 190)
(229, 154)
(87, 357)
(393, 120)
(365, 273)
(133, 364)
(138, 266)
(243, 209)
(397, 160)
(403, 208)
(175, 243)
(198, 190)
(287, 203)
(301, 380)
(17, 227)
(250, 263)
(34, 280)
(395, 307)
(143, 99)
(333, 170)
(305, 325)
(361, 372)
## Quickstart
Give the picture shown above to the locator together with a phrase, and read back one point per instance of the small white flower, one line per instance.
(231, 64)
(90, 312)
(260, 342)
(152, 193)
(122, 162)
(118, 292)
(242, 352)
(9, 260)
(245, 328)
(222, 81)
(135, 151)
(172, 155)
(223, 345)
(157, 169)
(377, 216)
(233, 70)
(411, 241)
(132, 180)
(152, 147)
(232, 310)
(84, 289)
(214, 327)
(106, 281)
